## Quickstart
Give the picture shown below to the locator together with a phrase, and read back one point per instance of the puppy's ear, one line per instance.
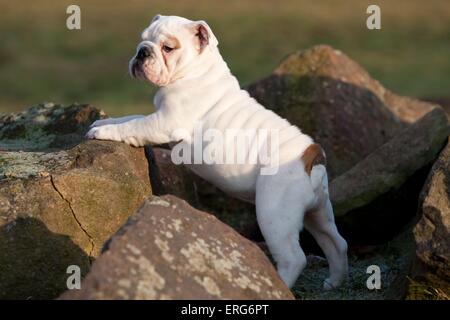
(204, 35)
(144, 33)
(155, 18)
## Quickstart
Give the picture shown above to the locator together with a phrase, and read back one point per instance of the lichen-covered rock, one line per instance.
(46, 127)
(330, 97)
(58, 206)
(432, 231)
(169, 250)
(378, 195)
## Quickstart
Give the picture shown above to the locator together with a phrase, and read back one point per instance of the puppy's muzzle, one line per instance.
(143, 53)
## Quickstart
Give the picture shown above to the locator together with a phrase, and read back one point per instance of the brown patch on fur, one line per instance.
(312, 156)
(173, 42)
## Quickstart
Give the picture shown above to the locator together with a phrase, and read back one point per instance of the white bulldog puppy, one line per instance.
(197, 90)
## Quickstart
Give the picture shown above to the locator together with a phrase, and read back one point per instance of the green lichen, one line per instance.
(299, 110)
(46, 127)
(29, 164)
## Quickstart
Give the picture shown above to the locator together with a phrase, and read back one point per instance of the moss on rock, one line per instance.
(46, 127)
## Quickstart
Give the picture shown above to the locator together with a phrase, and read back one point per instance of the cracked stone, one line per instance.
(63, 201)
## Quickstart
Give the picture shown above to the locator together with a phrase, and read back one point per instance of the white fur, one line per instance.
(201, 88)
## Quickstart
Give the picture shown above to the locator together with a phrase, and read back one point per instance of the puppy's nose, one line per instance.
(143, 53)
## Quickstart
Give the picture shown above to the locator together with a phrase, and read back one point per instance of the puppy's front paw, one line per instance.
(105, 132)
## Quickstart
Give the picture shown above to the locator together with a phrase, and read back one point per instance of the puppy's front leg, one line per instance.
(137, 132)
(103, 122)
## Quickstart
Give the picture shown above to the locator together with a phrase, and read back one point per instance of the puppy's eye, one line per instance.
(167, 48)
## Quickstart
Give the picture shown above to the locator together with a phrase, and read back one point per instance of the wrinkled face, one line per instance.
(169, 47)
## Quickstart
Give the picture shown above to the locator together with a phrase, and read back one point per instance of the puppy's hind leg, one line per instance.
(280, 218)
(320, 223)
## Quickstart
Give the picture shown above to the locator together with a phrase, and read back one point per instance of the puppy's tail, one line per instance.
(319, 178)
(314, 161)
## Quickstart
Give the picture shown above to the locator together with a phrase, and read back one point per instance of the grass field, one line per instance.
(40, 60)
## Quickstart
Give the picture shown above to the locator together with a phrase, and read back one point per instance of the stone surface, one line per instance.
(378, 196)
(46, 126)
(169, 178)
(333, 99)
(391, 164)
(443, 102)
(169, 250)
(59, 205)
(432, 231)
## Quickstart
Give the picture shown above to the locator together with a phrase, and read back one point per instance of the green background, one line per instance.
(40, 60)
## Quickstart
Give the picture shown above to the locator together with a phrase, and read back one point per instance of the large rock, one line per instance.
(57, 205)
(385, 185)
(432, 231)
(333, 99)
(169, 250)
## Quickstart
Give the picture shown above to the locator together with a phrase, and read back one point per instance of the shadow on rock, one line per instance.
(34, 260)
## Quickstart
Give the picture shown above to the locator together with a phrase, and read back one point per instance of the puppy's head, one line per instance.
(169, 46)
